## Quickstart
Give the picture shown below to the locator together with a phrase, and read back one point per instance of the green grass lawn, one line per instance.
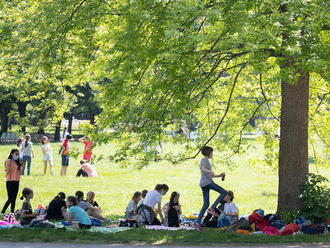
(144, 236)
(254, 186)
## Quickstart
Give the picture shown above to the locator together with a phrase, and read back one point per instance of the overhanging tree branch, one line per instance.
(266, 100)
(226, 111)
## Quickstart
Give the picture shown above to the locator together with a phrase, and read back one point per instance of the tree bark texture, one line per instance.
(293, 154)
(70, 124)
(22, 113)
(4, 111)
(57, 131)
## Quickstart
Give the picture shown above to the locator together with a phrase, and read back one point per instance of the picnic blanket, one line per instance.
(166, 228)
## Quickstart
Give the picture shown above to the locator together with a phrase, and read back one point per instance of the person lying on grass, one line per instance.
(131, 209)
(88, 208)
(76, 216)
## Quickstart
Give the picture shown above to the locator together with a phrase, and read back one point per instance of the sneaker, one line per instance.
(197, 226)
(213, 212)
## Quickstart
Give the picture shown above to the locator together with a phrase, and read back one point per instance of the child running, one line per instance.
(77, 214)
(47, 154)
(26, 211)
(131, 209)
(153, 199)
(207, 184)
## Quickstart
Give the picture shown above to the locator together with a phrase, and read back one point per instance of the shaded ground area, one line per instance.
(63, 245)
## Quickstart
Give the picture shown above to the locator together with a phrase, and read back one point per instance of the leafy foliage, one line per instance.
(316, 198)
(162, 66)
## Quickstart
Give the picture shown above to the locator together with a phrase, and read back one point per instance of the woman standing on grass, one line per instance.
(47, 154)
(207, 184)
(13, 168)
(27, 152)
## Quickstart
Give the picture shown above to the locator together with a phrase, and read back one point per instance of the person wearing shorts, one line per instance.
(65, 155)
(47, 154)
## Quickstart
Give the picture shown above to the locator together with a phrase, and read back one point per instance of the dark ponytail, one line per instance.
(27, 139)
(60, 196)
(25, 192)
(173, 195)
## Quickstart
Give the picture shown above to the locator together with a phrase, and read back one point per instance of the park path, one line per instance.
(64, 245)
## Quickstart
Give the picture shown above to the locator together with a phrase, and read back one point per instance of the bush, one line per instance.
(316, 198)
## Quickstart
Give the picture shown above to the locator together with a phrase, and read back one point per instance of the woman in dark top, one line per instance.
(54, 211)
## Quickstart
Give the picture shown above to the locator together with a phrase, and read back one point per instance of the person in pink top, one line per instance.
(86, 170)
(88, 150)
(14, 169)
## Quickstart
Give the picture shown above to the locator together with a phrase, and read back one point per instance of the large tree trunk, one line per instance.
(293, 155)
(57, 131)
(41, 123)
(22, 113)
(4, 111)
(70, 124)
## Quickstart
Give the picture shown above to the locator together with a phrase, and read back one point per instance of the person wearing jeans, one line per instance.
(207, 184)
(27, 153)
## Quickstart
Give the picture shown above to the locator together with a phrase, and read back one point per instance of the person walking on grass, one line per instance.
(207, 184)
(13, 169)
(47, 154)
(27, 153)
(65, 154)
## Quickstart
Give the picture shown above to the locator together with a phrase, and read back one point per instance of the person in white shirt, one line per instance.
(152, 205)
(230, 212)
(64, 134)
(47, 154)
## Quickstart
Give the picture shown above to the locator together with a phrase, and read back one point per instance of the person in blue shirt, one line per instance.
(76, 213)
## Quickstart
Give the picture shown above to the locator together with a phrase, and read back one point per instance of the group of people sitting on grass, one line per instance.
(74, 210)
(147, 209)
(143, 208)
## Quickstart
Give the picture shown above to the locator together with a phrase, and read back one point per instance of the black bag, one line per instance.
(129, 223)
